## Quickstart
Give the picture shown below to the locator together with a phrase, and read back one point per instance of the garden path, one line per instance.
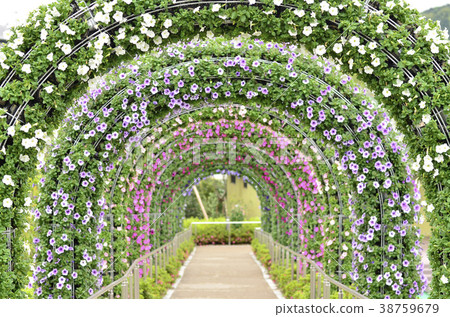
(223, 272)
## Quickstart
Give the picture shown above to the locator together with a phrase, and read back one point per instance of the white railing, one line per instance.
(320, 282)
(150, 264)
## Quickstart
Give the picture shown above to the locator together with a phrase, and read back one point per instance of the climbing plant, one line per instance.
(48, 61)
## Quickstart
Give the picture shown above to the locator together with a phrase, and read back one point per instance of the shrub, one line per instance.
(218, 234)
(151, 288)
(292, 289)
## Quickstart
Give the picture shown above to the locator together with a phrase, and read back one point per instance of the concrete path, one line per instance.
(223, 272)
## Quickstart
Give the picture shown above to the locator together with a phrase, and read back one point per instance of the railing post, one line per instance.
(130, 285)
(136, 282)
(164, 257)
(144, 270)
(229, 234)
(326, 288)
(125, 289)
(156, 267)
(151, 267)
(286, 258)
(291, 259)
(298, 266)
(111, 294)
(340, 293)
(312, 281)
(319, 285)
(304, 268)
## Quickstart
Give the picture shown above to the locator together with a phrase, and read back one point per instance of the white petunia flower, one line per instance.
(430, 208)
(361, 50)
(165, 34)
(62, 66)
(7, 203)
(65, 29)
(50, 57)
(25, 128)
(28, 202)
(118, 17)
(320, 50)
(380, 28)
(390, 4)
(44, 35)
(7, 180)
(444, 279)
(134, 39)
(386, 92)
(27, 143)
(119, 50)
(439, 158)
(11, 131)
(277, 2)
(39, 134)
(26, 68)
(337, 48)
(376, 62)
(251, 2)
(307, 30)
(324, 6)
(49, 89)
(215, 7)
(354, 41)
(66, 48)
(368, 70)
(442, 148)
(422, 104)
(299, 13)
(82, 70)
(434, 48)
(333, 11)
(428, 166)
(372, 45)
(24, 158)
(168, 23)
(149, 20)
(157, 40)
(426, 118)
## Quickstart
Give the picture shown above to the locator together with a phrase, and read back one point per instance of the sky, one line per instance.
(11, 12)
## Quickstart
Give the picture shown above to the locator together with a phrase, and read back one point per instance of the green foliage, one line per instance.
(237, 214)
(219, 234)
(154, 288)
(291, 289)
(440, 14)
(212, 193)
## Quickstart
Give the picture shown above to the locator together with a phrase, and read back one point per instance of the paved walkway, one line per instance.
(223, 272)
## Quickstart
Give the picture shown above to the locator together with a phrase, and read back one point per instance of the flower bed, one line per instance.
(154, 288)
(218, 234)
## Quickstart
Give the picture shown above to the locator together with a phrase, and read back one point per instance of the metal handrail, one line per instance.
(282, 254)
(130, 280)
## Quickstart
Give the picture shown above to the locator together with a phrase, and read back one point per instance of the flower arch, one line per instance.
(38, 82)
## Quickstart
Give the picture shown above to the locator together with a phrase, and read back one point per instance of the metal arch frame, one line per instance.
(130, 18)
(439, 115)
(313, 163)
(272, 171)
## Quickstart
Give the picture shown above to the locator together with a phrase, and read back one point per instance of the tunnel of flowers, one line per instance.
(334, 111)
